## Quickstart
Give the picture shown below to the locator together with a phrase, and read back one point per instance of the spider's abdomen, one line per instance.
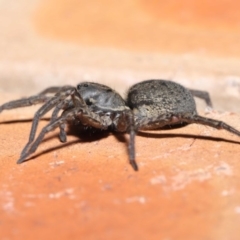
(153, 98)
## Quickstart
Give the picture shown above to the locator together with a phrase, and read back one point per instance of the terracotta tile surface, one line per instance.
(188, 185)
(145, 25)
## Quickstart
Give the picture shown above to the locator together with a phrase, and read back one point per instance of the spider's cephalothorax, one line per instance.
(151, 104)
(106, 104)
(109, 106)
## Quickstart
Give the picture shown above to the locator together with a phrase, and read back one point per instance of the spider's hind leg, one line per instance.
(210, 122)
(202, 95)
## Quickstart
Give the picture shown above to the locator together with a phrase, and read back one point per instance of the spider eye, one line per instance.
(88, 102)
(82, 85)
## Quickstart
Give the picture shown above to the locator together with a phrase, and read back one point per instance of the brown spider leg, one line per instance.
(210, 122)
(66, 104)
(81, 113)
(162, 121)
(50, 90)
(131, 146)
(36, 99)
(42, 111)
(49, 127)
(54, 90)
(24, 102)
(125, 123)
(76, 101)
(203, 95)
(62, 133)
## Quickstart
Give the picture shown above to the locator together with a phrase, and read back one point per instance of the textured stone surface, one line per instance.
(188, 186)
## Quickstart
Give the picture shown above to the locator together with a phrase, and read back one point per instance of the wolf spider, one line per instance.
(151, 104)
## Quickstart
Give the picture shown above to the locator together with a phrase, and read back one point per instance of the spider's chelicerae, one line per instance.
(151, 104)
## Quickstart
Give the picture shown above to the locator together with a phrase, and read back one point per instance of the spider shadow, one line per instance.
(150, 134)
(84, 135)
(26, 120)
(22, 121)
(87, 135)
(163, 135)
(181, 135)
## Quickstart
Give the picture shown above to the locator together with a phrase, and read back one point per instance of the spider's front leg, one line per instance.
(25, 102)
(49, 103)
(32, 146)
(131, 146)
(124, 122)
(66, 104)
(80, 112)
(33, 100)
(57, 101)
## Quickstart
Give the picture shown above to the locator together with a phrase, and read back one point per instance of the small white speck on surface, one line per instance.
(8, 206)
(8, 201)
(56, 163)
(224, 169)
(67, 192)
(158, 180)
(183, 178)
(139, 199)
(226, 193)
(237, 209)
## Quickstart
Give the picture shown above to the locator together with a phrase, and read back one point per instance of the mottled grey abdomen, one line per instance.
(160, 97)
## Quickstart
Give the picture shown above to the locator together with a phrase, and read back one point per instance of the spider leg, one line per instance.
(66, 104)
(131, 145)
(162, 121)
(81, 113)
(52, 90)
(210, 122)
(33, 100)
(62, 133)
(31, 147)
(25, 102)
(124, 122)
(203, 95)
(53, 101)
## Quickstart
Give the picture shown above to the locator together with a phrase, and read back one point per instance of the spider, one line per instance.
(150, 105)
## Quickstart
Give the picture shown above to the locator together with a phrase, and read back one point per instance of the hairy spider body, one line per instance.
(151, 104)
(156, 102)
